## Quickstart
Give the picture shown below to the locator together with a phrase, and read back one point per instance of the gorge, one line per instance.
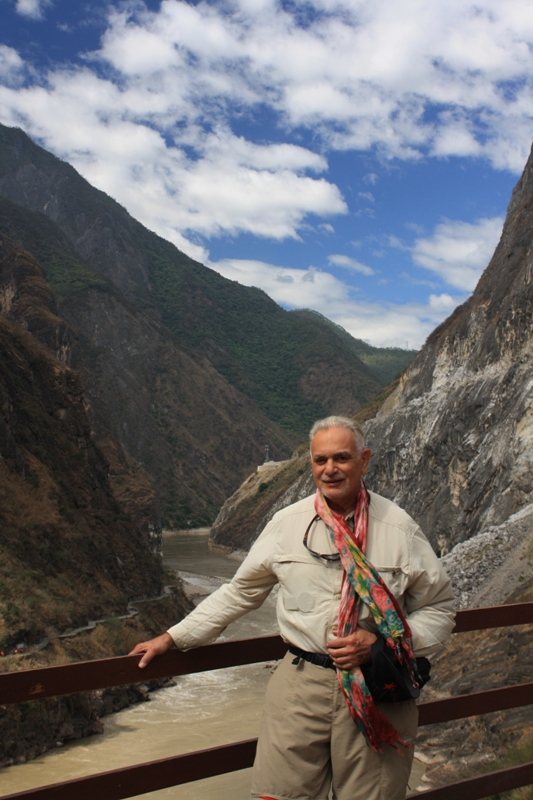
(128, 397)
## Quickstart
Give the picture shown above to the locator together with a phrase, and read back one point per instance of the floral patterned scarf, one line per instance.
(361, 581)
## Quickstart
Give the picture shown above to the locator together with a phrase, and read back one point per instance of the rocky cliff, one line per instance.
(454, 443)
(75, 546)
(493, 567)
(69, 550)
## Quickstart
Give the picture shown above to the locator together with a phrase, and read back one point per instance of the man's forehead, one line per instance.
(333, 441)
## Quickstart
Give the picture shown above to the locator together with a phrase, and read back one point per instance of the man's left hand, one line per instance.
(351, 651)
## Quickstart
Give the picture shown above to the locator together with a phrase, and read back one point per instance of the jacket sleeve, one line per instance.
(429, 600)
(248, 589)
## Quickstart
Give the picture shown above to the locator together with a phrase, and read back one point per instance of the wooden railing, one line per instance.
(152, 776)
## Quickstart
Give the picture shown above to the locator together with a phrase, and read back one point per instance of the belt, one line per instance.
(314, 658)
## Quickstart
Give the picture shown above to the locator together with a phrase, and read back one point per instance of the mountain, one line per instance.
(187, 375)
(454, 442)
(79, 578)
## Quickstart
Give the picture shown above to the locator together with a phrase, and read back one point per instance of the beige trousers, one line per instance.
(309, 743)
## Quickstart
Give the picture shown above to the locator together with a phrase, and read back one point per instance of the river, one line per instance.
(201, 711)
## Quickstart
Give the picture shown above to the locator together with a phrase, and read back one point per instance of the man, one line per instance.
(353, 568)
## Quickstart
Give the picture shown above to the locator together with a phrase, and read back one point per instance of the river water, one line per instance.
(201, 711)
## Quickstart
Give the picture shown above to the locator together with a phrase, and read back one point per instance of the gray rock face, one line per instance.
(490, 566)
(454, 444)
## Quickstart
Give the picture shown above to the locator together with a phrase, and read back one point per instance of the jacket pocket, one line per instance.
(394, 578)
(299, 578)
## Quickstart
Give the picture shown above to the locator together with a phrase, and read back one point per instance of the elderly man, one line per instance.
(358, 581)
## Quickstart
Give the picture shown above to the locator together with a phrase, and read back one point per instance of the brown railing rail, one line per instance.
(142, 778)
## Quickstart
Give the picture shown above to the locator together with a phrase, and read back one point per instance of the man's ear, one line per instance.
(365, 458)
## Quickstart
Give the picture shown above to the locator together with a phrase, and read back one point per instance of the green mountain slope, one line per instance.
(384, 362)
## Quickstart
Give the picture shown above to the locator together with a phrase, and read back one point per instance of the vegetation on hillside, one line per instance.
(262, 350)
(68, 551)
(66, 273)
(384, 362)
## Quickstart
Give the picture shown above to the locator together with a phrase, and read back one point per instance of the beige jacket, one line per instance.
(310, 587)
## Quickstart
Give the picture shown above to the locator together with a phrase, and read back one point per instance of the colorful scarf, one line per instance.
(361, 581)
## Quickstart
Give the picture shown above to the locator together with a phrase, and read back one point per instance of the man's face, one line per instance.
(337, 467)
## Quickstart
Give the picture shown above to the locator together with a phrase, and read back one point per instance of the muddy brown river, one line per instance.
(201, 711)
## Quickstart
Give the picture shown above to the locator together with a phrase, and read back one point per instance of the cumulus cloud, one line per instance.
(231, 185)
(381, 324)
(11, 66)
(350, 263)
(34, 9)
(153, 106)
(442, 302)
(459, 251)
(293, 288)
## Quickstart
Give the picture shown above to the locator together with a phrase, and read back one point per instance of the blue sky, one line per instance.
(352, 156)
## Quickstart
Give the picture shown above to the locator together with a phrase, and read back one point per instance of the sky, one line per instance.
(355, 157)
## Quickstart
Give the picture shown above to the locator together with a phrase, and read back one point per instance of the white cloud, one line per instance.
(459, 251)
(442, 302)
(390, 324)
(409, 78)
(296, 288)
(381, 324)
(11, 66)
(361, 74)
(224, 197)
(34, 9)
(232, 186)
(350, 263)
(455, 136)
(396, 242)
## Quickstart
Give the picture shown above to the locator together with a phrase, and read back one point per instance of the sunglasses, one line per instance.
(325, 556)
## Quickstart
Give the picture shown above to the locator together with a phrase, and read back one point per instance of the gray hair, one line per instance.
(340, 422)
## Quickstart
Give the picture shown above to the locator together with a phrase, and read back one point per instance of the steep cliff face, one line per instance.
(68, 550)
(26, 297)
(454, 443)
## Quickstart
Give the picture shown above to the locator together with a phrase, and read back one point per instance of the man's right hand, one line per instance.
(155, 647)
